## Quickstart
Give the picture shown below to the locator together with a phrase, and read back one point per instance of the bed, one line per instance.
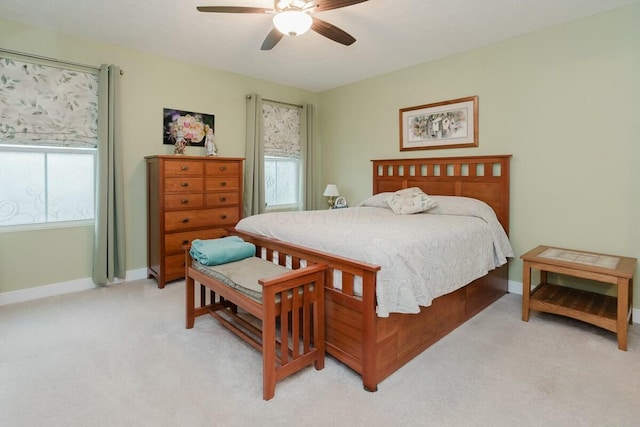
(362, 332)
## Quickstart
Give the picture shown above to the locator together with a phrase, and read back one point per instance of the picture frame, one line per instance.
(446, 124)
(340, 203)
(188, 126)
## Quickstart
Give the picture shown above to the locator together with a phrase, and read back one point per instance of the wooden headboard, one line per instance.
(482, 177)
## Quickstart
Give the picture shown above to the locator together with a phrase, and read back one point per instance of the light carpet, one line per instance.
(121, 356)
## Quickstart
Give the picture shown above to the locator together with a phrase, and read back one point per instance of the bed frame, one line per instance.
(373, 346)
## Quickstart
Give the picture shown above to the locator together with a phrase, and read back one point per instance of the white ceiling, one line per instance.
(391, 35)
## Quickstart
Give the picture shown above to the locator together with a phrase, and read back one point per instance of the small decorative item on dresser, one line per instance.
(181, 143)
(210, 143)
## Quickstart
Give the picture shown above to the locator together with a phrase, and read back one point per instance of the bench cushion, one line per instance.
(243, 275)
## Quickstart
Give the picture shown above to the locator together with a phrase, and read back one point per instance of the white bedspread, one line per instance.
(422, 256)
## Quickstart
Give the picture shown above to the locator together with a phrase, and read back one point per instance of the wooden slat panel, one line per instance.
(444, 177)
(347, 284)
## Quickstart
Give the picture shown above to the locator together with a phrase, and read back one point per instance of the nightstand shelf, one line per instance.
(612, 313)
(590, 307)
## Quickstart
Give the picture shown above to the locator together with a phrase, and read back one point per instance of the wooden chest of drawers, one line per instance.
(188, 197)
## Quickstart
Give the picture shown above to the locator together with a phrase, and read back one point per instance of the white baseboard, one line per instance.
(62, 288)
(516, 288)
(86, 283)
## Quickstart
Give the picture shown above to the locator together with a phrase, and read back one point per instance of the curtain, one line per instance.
(253, 200)
(109, 235)
(310, 157)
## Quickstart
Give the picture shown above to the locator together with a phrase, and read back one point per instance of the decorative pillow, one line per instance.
(409, 201)
(377, 201)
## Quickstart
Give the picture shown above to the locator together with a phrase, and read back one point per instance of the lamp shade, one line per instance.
(292, 22)
(331, 191)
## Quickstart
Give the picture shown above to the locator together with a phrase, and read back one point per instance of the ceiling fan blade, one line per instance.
(322, 5)
(332, 32)
(233, 9)
(272, 39)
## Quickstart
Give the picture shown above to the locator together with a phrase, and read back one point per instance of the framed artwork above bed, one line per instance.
(446, 124)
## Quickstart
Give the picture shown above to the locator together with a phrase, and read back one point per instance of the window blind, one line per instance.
(47, 105)
(281, 130)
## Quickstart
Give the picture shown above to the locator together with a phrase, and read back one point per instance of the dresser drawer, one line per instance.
(187, 220)
(222, 199)
(222, 168)
(173, 242)
(173, 202)
(174, 266)
(183, 167)
(183, 184)
(222, 183)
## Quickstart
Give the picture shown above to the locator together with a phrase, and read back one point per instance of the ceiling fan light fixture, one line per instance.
(292, 22)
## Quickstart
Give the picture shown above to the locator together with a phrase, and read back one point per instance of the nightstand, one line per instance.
(612, 313)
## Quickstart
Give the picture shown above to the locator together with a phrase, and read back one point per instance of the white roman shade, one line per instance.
(281, 130)
(47, 105)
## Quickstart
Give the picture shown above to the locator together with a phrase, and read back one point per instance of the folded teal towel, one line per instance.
(221, 251)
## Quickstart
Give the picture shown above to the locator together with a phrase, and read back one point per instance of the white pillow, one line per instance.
(409, 201)
(377, 201)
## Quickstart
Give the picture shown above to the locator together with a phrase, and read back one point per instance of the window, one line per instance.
(48, 140)
(41, 185)
(282, 152)
(282, 185)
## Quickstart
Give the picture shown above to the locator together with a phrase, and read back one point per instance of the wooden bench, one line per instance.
(289, 305)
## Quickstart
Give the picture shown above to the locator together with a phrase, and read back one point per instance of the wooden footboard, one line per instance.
(376, 347)
(350, 320)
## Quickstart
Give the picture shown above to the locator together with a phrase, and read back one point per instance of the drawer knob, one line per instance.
(223, 217)
(223, 184)
(185, 168)
(223, 199)
(223, 168)
(184, 242)
(185, 184)
(185, 220)
(184, 201)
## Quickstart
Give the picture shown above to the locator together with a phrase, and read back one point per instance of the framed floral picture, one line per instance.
(446, 124)
(182, 128)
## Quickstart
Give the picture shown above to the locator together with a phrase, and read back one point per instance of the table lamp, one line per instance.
(331, 191)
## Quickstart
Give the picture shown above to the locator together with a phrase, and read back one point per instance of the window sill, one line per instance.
(282, 208)
(46, 226)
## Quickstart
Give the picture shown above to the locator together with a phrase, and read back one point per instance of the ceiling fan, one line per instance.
(294, 17)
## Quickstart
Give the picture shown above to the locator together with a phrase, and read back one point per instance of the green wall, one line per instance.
(150, 83)
(563, 102)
